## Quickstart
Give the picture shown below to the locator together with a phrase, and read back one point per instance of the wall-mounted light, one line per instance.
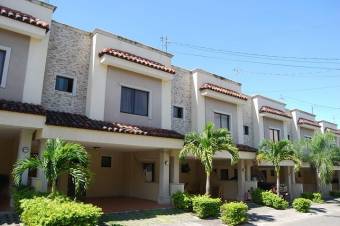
(166, 163)
(25, 150)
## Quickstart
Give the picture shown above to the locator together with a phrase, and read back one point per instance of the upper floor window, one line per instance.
(222, 120)
(4, 62)
(246, 130)
(134, 101)
(177, 112)
(274, 135)
(65, 84)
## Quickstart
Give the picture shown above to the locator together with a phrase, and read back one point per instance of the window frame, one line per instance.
(274, 130)
(226, 114)
(101, 161)
(6, 65)
(153, 179)
(149, 101)
(73, 93)
(173, 111)
(246, 128)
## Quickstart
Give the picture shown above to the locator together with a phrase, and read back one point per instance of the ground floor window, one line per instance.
(149, 172)
(224, 174)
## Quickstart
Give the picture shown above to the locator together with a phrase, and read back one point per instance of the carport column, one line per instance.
(40, 173)
(174, 168)
(241, 178)
(248, 170)
(164, 186)
(289, 180)
(24, 150)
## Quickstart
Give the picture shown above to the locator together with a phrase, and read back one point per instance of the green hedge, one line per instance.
(268, 198)
(204, 206)
(24, 192)
(335, 194)
(234, 213)
(58, 211)
(182, 201)
(314, 197)
(302, 204)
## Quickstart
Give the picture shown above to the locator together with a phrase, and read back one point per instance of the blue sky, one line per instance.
(303, 29)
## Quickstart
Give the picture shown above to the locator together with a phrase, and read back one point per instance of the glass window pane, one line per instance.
(217, 120)
(126, 100)
(64, 84)
(2, 62)
(141, 102)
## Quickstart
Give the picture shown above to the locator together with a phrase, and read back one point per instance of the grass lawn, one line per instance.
(149, 217)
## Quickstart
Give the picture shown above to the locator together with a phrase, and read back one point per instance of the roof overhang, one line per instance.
(242, 155)
(222, 97)
(282, 163)
(22, 28)
(134, 67)
(22, 120)
(274, 116)
(306, 126)
(109, 139)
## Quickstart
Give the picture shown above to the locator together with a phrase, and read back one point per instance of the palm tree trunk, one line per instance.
(277, 181)
(318, 181)
(53, 187)
(207, 184)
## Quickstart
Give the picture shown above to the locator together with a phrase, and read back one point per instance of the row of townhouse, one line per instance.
(129, 106)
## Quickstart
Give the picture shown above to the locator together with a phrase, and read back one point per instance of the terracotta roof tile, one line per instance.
(136, 59)
(82, 122)
(304, 121)
(222, 90)
(335, 131)
(246, 148)
(274, 111)
(23, 17)
(6, 105)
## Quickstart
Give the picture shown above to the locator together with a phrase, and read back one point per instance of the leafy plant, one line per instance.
(256, 196)
(59, 157)
(275, 153)
(23, 192)
(182, 200)
(204, 145)
(321, 152)
(302, 204)
(234, 213)
(313, 196)
(204, 206)
(58, 211)
(268, 198)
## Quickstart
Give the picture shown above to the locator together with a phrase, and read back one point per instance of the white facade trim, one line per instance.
(21, 120)
(6, 64)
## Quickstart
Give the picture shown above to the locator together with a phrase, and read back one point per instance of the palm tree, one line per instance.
(205, 144)
(275, 153)
(59, 157)
(321, 153)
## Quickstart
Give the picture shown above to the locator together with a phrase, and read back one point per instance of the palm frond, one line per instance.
(22, 165)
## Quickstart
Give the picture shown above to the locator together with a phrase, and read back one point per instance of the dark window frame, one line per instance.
(69, 89)
(106, 161)
(178, 112)
(273, 134)
(153, 171)
(220, 115)
(133, 101)
(246, 130)
(224, 174)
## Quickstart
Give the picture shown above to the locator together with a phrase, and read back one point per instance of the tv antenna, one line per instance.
(165, 42)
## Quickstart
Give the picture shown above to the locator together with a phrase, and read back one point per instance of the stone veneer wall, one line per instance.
(68, 54)
(181, 97)
(247, 121)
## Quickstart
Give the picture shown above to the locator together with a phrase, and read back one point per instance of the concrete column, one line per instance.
(248, 170)
(166, 104)
(174, 169)
(289, 180)
(240, 136)
(241, 179)
(164, 186)
(24, 150)
(261, 129)
(43, 184)
(285, 130)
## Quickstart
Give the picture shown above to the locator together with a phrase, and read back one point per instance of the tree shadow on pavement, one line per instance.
(254, 217)
(316, 210)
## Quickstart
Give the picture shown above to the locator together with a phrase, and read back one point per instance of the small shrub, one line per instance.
(256, 196)
(302, 204)
(273, 200)
(24, 192)
(182, 200)
(204, 206)
(234, 213)
(58, 211)
(314, 197)
(335, 194)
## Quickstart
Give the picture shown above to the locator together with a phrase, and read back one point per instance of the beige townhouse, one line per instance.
(130, 107)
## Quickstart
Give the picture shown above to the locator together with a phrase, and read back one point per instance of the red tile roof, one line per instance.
(6, 105)
(222, 90)
(305, 121)
(82, 122)
(274, 111)
(246, 148)
(336, 131)
(136, 59)
(23, 17)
